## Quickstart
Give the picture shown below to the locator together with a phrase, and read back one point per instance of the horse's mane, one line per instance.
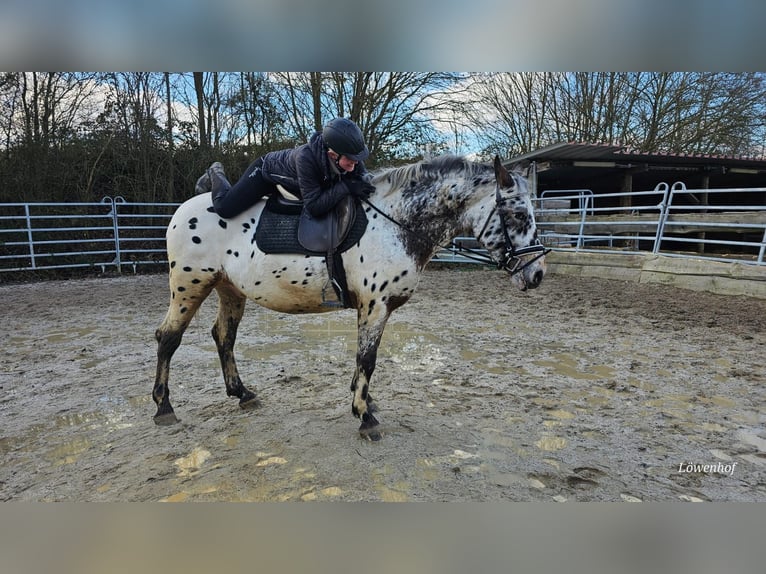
(430, 169)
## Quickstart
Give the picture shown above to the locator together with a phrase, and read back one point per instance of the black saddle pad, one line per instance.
(277, 230)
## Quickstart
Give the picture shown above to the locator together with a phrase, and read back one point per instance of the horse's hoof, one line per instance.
(370, 434)
(248, 400)
(368, 428)
(166, 419)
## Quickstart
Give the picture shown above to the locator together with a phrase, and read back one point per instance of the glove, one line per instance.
(360, 188)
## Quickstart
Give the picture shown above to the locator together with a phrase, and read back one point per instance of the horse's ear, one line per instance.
(504, 179)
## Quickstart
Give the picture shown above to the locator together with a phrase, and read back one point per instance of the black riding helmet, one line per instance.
(344, 137)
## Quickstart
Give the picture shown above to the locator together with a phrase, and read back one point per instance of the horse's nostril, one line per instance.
(537, 277)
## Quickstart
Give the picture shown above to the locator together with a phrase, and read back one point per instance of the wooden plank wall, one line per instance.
(687, 273)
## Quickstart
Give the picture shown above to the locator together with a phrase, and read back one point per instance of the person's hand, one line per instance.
(360, 188)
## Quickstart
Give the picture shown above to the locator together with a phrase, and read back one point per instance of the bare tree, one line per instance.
(675, 112)
(199, 90)
(251, 106)
(169, 135)
(43, 112)
(10, 103)
(591, 106)
(511, 114)
(702, 113)
(395, 110)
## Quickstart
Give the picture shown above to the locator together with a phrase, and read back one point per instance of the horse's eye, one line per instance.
(520, 216)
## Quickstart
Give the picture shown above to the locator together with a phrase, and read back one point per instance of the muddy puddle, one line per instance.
(582, 390)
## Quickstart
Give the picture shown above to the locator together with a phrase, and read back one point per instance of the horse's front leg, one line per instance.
(370, 331)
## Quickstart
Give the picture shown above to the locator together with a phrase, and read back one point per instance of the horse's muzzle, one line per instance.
(526, 266)
(535, 277)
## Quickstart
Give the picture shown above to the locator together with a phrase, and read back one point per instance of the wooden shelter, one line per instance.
(607, 168)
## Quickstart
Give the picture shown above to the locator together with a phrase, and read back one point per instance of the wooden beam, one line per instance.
(687, 273)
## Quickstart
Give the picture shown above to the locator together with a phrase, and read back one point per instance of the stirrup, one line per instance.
(334, 301)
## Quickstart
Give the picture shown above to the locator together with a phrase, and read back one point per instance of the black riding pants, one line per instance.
(231, 200)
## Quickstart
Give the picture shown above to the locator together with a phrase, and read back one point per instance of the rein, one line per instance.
(511, 260)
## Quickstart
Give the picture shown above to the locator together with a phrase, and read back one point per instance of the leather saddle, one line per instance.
(278, 228)
(328, 235)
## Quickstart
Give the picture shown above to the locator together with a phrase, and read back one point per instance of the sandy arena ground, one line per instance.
(585, 389)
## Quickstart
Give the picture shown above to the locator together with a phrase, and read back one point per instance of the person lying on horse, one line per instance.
(321, 173)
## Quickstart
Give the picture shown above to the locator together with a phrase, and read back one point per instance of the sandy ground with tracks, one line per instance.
(585, 389)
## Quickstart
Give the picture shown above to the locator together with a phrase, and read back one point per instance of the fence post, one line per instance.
(583, 201)
(667, 199)
(113, 202)
(115, 221)
(30, 238)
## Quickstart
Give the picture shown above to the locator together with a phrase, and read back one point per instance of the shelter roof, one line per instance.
(570, 165)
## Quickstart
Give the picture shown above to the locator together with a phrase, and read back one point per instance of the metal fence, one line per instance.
(718, 224)
(715, 224)
(110, 234)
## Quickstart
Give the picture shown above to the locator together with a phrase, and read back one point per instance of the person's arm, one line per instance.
(320, 201)
(317, 201)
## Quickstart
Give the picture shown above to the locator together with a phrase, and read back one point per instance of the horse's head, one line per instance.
(510, 233)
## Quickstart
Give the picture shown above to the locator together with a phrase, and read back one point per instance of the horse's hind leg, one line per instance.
(231, 307)
(186, 298)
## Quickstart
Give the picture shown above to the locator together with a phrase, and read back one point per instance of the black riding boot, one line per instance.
(225, 202)
(204, 183)
(219, 185)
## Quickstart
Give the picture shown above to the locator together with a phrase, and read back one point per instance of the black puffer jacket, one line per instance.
(306, 172)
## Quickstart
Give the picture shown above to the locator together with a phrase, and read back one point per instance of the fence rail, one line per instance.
(111, 233)
(672, 220)
(715, 224)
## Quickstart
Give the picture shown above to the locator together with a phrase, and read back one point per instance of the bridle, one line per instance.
(511, 261)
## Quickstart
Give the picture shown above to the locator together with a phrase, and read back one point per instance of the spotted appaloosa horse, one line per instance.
(414, 211)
